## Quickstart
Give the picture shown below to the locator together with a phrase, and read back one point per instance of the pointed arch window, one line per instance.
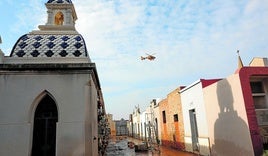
(44, 131)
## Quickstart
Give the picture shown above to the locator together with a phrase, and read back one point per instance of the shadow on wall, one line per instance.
(229, 129)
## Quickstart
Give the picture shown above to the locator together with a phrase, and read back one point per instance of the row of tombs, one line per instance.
(226, 116)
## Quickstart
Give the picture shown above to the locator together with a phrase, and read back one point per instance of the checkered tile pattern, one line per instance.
(50, 46)
(59, 1)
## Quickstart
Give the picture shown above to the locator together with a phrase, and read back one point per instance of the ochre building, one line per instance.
(171, 120)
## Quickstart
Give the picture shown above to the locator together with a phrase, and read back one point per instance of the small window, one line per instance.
(176, 119)
(256, 87)
(164, 116)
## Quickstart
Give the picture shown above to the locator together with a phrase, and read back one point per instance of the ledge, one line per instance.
(48, 66)
(56, 67)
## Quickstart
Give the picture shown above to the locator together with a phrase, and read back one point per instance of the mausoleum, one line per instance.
(49, 90)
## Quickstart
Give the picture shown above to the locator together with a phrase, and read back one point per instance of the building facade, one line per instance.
(155, 105)
(194, 115)
(171, 121)
(145, 118)
(131, 126)
(241, 101)
(136, 123)
(49, 90)
(111, 125)
(228, 116)
(121, 127)
(144, 125)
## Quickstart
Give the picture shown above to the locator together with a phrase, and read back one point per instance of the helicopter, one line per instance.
(149, 57)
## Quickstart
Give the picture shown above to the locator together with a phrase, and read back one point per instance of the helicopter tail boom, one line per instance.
(143, 58)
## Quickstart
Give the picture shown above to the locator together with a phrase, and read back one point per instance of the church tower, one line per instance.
(50, 94)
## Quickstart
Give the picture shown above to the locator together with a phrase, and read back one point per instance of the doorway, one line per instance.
(194, 130)
(44, 131)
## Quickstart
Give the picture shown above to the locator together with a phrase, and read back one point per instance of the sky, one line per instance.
(191, 39)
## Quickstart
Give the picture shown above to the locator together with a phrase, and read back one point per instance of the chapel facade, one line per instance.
(50, 94)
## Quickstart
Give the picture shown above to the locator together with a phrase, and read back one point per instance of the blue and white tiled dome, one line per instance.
(59, 1)
(55, 42)
(48, 46)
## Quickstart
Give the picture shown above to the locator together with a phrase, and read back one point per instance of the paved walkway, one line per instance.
(119, 148)
(164, 151)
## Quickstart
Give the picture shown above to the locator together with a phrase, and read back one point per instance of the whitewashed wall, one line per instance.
(76, 101)
(192, 98)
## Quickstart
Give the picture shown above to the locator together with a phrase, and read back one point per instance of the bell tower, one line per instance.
(61, 15)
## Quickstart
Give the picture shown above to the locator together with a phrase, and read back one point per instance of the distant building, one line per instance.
(50, 95)
(136, 122)
(155, 105)
(143, 121)
(130, 127)
(144, 125)
(121, 127)
(111, 125)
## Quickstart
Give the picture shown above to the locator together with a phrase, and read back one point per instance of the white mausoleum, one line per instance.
(49, 91)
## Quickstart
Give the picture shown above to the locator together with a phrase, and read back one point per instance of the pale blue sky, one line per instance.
(192, 40)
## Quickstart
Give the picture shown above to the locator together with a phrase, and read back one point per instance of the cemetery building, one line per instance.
(50, 90)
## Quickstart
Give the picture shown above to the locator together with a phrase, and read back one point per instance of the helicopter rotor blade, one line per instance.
(150, 54)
